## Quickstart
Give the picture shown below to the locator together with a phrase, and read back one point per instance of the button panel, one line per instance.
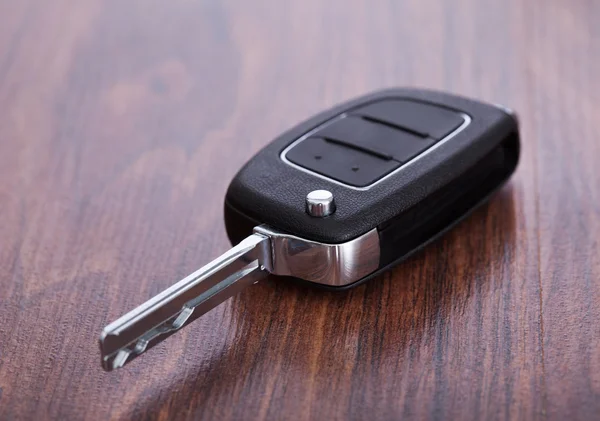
(372, 141)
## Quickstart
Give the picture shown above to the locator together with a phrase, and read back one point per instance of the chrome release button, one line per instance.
(320, 203)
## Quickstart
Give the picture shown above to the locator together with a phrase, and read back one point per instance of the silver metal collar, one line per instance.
(327, 264)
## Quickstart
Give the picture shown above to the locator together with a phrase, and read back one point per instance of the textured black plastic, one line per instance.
(426, 220)
(270, 191)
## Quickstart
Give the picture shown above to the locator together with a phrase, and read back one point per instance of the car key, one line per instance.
(337, 200)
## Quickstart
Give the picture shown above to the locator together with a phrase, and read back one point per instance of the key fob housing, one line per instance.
(409, 163)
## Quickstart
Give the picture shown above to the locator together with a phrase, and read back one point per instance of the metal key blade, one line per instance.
(177, 306)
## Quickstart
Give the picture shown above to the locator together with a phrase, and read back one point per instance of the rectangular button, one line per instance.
(376, 138)
(424, 119)
(342, 163)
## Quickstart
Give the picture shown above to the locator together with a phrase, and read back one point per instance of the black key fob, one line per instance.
(337, 200)
(356, 189)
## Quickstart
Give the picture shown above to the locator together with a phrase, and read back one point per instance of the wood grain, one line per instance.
(121, 125)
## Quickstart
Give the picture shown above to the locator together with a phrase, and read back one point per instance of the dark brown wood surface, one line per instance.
(121, 125)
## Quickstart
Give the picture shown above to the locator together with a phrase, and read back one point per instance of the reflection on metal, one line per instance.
(327, 264)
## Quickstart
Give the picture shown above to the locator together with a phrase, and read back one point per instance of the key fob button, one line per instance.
(376, 138)
(419, 117)
(339, 162)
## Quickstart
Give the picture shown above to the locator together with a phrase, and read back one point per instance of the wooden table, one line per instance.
(121, 125)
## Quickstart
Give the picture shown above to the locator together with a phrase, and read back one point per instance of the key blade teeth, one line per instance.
(121, 359)
(117, 359)
(106, 357)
